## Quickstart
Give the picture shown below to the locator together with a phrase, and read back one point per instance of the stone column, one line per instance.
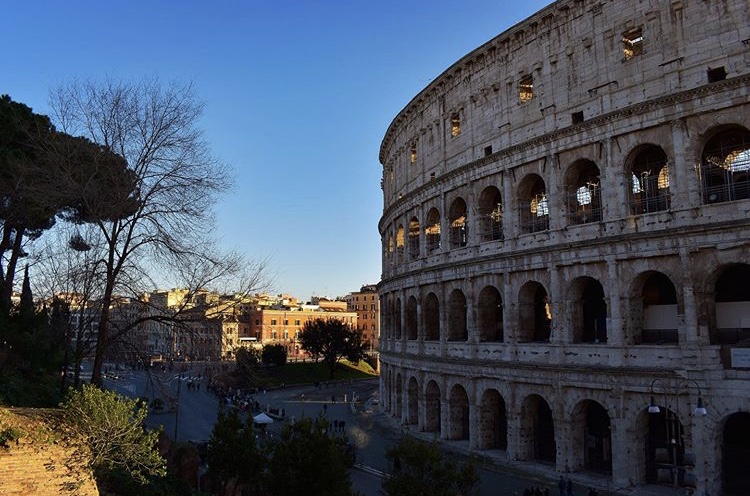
(615, 327)
(689, 308)
(474, 416)
(684, 185)
(560, 332)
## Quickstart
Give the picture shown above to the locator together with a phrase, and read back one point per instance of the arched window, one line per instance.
(490, 315)
(533, 204)
(411, 318)
(725, 166)
(457, 217)
(432, 230)
(535, 313)
(659, 310)
(584, 193)
(400, 242)
(733, 305)
(491, 214)
(649, 181)
(457, 330)
(431, 318)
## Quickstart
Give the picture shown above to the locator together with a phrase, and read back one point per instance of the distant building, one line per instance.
(366, 304)
(282, 322)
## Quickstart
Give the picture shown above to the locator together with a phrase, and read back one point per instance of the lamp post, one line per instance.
(673, 431)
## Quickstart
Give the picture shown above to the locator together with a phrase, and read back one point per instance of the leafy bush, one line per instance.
(110, 425)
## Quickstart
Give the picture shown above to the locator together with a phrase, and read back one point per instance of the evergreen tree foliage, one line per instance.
(235, 462)
(419, 469)
(308, 459)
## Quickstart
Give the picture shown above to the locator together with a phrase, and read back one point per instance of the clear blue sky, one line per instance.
(298, 97)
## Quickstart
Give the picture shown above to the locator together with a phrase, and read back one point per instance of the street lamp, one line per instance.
(671, 419)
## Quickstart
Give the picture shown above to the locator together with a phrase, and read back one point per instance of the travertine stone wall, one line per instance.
(575, 112)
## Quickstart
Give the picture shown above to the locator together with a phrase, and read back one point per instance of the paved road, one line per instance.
(371, 431)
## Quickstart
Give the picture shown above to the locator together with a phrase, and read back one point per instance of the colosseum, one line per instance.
(566, 247)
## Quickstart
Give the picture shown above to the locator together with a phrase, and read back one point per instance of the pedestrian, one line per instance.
(325, 408)
(333, 398)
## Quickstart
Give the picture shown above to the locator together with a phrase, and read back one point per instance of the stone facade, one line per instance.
(566, 241)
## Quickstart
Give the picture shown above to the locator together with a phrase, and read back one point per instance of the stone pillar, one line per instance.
(684, 186)
(474, 416)
(624, 473)
(615, 327)
(510, 312)
(510, 207)
(560, 332)
(614, 183)
(471, 310)
(515, 441)
(555, 202)
(689, 308)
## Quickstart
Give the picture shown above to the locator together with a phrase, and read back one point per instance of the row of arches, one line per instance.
(654, 314)
(723, 175)
(577, 437)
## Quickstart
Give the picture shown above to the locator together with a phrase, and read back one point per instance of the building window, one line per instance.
(717, 74)
(577, 117)
(526, 88)
(413, 153)
(455, 125)
(296, 322)
(487, 151)
(632, 43)
(286, 322)
(273, 321)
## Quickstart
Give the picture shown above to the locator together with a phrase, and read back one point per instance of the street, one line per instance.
(194, 408)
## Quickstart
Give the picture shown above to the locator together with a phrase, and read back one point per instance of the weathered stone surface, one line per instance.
(533, 334)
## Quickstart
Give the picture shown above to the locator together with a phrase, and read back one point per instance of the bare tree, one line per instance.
(165, 220)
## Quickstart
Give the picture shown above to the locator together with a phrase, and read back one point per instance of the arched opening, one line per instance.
(457, 218)
(491, 214)
(400, 243)
(725, 166)
(732, 305)
(659, 310)
(735, 456)
(537, 431)
(431, 318)
(535, 313)
(590, 311)
(458, 414)
(584, 195)
(412, 402)
(414, 238)
(490, 315)
(649, 181)
(432, 407)
(665, 449)
(432, 230)
(595, 437)
(533, 204)
(493, 421)
(411, 319)
(457, 330)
